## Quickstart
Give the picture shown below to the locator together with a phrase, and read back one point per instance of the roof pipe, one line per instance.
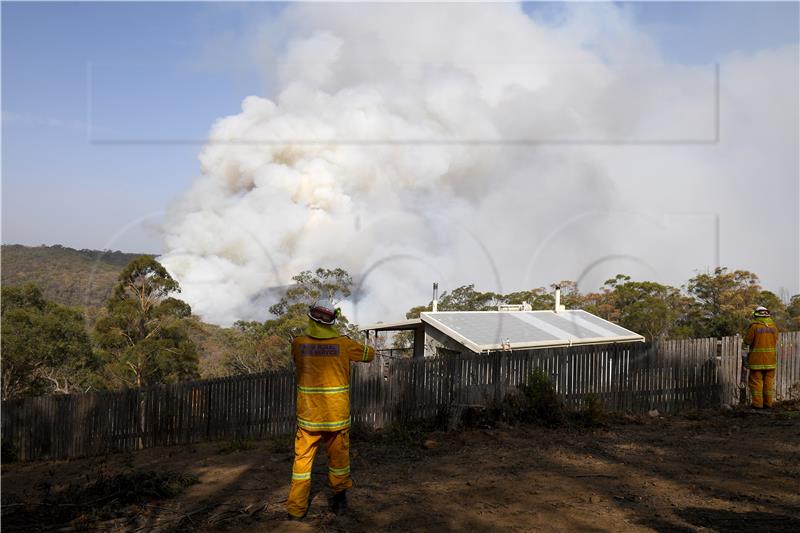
(558, 298)
(558, 306)
(435, 305)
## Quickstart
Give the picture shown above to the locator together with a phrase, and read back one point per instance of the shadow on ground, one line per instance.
(670, 474)
(720, 520)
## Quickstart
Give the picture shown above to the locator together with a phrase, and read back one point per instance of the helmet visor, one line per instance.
(322, 315)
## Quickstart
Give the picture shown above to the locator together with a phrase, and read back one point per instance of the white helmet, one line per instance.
(323, 311)
(761, 311)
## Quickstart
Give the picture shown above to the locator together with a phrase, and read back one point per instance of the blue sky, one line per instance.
(167, 71)
(60, 188)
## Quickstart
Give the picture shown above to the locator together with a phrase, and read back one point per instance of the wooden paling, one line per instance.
(666, 375)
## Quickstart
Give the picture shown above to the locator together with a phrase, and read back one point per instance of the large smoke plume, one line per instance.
(471, 144)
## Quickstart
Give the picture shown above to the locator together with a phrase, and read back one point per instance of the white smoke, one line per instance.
(469, 144)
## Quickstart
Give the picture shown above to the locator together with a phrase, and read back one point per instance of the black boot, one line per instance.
(290, 516)
(339, 502)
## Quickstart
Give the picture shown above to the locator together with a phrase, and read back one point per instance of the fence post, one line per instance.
(140, 418)
(501, 377)
(743, 395)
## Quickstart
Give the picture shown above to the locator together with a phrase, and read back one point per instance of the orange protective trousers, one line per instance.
(762, 388)
(337, 446)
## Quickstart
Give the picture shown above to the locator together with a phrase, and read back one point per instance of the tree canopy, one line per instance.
(142, 336)
(724, 301)
(793, 313)
(267, 345)
(649, 308)
(45, 345)
(712, 304)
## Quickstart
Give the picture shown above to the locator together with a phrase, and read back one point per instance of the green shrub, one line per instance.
(545, 405)
(134, 487)
(591, 415)
(405, 432)
(536, 401)
(83, 505)
(282, 443)
(237, 444)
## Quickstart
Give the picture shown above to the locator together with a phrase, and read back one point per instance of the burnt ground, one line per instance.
(702, 471)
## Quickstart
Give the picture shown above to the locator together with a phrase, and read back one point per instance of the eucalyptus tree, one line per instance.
(142, 335)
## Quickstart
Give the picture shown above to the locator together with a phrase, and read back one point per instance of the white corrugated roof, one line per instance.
(392, 326)
(481, 331)
(491, 330)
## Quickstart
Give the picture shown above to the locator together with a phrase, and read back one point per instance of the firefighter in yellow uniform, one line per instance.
(762, 338)
(322, 361)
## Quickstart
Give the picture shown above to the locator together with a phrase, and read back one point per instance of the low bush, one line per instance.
(282, 444)
(544, 405)
(536, 401)
(794, 393)
(591, 414)
(95, 501)
(131, 487)
(237, 444)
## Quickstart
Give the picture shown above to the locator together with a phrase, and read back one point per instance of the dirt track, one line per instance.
(707, 471)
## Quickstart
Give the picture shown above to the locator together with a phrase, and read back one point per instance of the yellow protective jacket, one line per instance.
(762, 337)
(323, 377)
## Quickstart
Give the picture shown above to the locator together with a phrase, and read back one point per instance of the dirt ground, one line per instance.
(706, 471)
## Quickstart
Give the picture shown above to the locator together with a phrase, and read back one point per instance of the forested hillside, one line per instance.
(85, 279)
(78, 278)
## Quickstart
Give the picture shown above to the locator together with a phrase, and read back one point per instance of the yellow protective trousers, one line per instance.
(762, 388)
(337, 447)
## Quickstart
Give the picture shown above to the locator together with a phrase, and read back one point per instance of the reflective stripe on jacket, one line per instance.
(323, 380)
(762, 337)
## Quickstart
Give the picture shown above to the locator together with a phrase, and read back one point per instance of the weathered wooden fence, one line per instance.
(788, 372)
(667, 376)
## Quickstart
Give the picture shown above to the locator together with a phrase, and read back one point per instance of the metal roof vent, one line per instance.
(524, 306)
(558, 307)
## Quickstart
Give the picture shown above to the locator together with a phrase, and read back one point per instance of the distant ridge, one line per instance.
(86, 278)
(79, 278)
